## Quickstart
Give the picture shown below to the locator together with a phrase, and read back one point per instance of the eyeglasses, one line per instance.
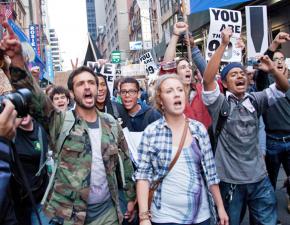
(131, 92)
(279, 59)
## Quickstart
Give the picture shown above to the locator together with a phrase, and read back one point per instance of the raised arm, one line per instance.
(178, 29)
(262, 80)
(41, 106)
(281, 38)
(214, 63)
(268, 66)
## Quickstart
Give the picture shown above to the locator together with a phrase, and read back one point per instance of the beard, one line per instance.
(79, 103)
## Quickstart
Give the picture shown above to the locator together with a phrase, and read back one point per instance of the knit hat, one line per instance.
(228, 67)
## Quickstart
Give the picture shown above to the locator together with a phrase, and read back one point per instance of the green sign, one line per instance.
(116, 57)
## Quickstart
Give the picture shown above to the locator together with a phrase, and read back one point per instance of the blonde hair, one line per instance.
(157, 90)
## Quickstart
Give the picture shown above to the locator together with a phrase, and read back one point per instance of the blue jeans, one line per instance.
(259, 197)
(44, 219)
(278, 152)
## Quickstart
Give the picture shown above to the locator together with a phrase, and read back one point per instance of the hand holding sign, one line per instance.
(179, 28)
(219, 20)
(226, 35)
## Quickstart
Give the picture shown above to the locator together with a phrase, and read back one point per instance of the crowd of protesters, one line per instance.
(213, 141)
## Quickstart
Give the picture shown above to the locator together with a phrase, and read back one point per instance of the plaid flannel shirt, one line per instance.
(155, 155)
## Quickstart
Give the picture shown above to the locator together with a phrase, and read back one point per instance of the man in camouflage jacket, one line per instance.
(69, 195)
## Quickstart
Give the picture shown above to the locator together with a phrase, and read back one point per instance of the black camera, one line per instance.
(20, 99)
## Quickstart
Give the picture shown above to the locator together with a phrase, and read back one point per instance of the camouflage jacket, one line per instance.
(69, 194)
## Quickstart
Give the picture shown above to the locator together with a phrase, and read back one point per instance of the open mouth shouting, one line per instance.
(88, 98)
(280, 67)
(241, 84)
(177, 104)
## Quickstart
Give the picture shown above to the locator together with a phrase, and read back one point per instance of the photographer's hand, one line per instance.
(11, 46)
(7, 120)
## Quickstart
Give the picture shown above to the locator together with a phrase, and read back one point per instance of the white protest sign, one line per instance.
(257, 30)
(108, 70)
(133, 140)
(220, 19)
(148, 60)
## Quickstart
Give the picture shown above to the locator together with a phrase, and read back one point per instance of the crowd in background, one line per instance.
(213, 141)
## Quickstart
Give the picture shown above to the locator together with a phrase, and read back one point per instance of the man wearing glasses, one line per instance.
(136, 116)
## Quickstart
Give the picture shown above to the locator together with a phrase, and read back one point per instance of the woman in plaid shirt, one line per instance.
(188, 192)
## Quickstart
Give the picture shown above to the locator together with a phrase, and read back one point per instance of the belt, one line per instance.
(282, 139)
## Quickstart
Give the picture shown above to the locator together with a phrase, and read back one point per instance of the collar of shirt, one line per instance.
(230, 94)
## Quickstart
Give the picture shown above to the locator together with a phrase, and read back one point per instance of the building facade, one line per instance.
(113, 35)
(91, 19)
(55, 51)
(135, 26)
(278, 20)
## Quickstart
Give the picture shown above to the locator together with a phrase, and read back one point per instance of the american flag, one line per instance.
(8, 10)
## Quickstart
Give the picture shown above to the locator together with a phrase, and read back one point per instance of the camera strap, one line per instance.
(25, 181)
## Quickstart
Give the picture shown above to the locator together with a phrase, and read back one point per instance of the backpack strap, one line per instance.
(42, 161)
(67, 125)
(69, 121)
(223, 115)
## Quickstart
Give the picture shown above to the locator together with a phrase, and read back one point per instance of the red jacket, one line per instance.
(197, 110)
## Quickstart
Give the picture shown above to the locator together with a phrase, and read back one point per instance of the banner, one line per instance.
(108, 70)
(135, 45)
(220, 19)
(134, 70)
(34, 38)
(49, 64)
(31, 56)
(201, 5)
(257, 30)
(148, 60)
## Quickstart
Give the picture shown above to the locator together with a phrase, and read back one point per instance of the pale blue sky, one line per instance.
(68, 18)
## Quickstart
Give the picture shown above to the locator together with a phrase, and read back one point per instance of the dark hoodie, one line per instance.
(141, 120)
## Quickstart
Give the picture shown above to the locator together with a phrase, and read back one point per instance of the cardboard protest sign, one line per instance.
(61, 77)
(257, 30)
(134, 70)
(148, 60)
(108, 70)
(220, 19)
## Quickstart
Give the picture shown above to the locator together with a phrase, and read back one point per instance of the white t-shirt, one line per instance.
(99, 185)
(181, 190)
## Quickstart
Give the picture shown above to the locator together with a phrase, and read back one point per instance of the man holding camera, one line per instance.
(7, 133)
(89, 148)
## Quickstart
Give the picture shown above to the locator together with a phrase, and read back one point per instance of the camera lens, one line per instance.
(20, 99)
